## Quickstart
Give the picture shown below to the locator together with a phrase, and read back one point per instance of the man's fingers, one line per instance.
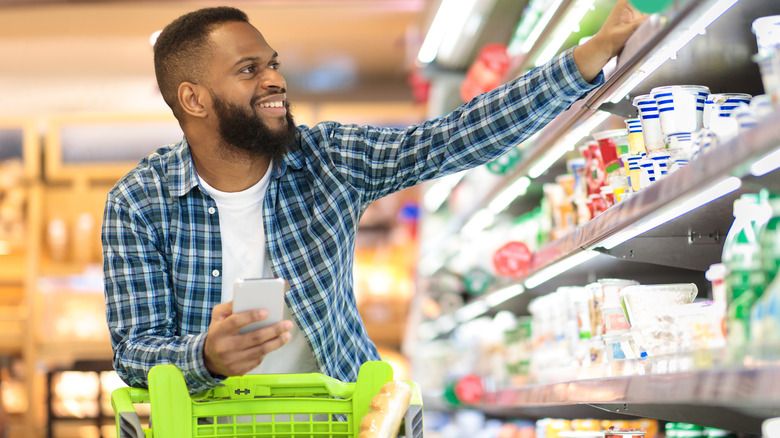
(221, 311)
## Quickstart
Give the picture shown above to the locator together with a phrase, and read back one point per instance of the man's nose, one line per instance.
(272, 79)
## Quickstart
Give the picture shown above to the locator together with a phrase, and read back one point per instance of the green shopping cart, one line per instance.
(272, 405)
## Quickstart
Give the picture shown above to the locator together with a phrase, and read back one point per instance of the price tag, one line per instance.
(512, 260)
(469, 389)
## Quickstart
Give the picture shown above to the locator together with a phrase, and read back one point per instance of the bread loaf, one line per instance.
(386, 411)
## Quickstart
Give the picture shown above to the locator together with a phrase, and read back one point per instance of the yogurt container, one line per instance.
(680, 107)
(652, 134)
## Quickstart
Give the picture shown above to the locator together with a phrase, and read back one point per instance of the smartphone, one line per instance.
(259, 293)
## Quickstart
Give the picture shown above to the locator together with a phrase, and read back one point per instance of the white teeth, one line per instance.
(272, 105)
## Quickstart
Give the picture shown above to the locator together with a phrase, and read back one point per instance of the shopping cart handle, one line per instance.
(127, 421)
(281, 385)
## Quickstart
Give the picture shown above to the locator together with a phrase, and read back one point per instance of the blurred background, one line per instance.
(79, 107)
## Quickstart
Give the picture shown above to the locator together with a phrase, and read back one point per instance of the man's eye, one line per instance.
(274, 65)
(249, 69)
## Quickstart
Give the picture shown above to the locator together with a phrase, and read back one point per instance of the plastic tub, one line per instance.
(722, 105)
(680, 107)
(614, 320)
(769, 65)
(651, 124)
(641, 302)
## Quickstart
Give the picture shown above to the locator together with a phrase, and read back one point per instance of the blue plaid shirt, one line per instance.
(161, 239)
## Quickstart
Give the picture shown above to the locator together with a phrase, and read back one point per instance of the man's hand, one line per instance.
(594, 54)
(230, 353)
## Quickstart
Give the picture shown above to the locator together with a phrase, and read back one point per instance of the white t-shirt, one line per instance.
(244, 256)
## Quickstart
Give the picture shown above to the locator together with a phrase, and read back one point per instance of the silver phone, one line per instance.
(259, 293)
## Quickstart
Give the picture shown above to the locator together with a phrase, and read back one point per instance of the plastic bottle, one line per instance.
(765, 314)
(746, 279)
(769, 238)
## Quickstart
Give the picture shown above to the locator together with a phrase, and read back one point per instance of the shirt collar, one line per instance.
(181, 170)
(183, 177)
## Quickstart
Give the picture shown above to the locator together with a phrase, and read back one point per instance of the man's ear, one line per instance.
(193, 99)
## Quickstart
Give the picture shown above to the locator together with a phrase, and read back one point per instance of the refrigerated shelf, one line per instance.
(737, 399)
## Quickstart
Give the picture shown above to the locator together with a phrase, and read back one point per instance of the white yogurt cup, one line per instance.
(722, 105)
(651, 124)
(769, 65)
(680, 107)
(684, 141)
(767, 31)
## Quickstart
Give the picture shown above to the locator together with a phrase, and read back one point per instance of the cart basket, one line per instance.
(268, 405)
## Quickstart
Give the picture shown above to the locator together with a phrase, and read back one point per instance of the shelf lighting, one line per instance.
(478, 223)
(669, 50)
(544, 20)
(568, 142)
(515, 190)
(5, 247)
(766, 164)
(674, 210)
(439, 191)
(502, 295)
(569, 24)
(471, 311)
(447, 24)
(563, 265)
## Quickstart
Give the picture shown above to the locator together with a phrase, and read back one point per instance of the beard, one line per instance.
(246, 132)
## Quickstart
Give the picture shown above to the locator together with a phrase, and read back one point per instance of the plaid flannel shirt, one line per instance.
(161, 238)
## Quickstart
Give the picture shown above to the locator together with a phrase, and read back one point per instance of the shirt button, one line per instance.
(215, 273)
(212, 210)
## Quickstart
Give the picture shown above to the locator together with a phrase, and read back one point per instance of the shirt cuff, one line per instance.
(199, 376)
(566, 78)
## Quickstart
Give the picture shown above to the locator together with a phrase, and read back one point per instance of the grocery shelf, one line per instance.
(660, 200)
(665, 37)
(736, 399)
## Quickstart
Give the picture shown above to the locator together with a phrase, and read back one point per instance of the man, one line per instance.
(249, 194)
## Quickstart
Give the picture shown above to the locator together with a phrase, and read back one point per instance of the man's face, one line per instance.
(249, 96)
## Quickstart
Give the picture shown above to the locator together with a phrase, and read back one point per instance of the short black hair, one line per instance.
(180, 49)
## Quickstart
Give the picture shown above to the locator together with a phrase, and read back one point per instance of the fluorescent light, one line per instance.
(560, 148)
(515, 190)
(766, 164)
(481, 220)
(569, 24)
(674, 210)
(439, 191)
(447, 24)
(471, 311)
(544, 20)
(548, 272)
(5, 247)
(499, 296)
(669, 50)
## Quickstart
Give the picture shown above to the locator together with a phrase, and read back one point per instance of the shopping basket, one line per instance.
(272, 405)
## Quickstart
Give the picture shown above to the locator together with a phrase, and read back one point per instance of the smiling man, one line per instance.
(247, 193)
